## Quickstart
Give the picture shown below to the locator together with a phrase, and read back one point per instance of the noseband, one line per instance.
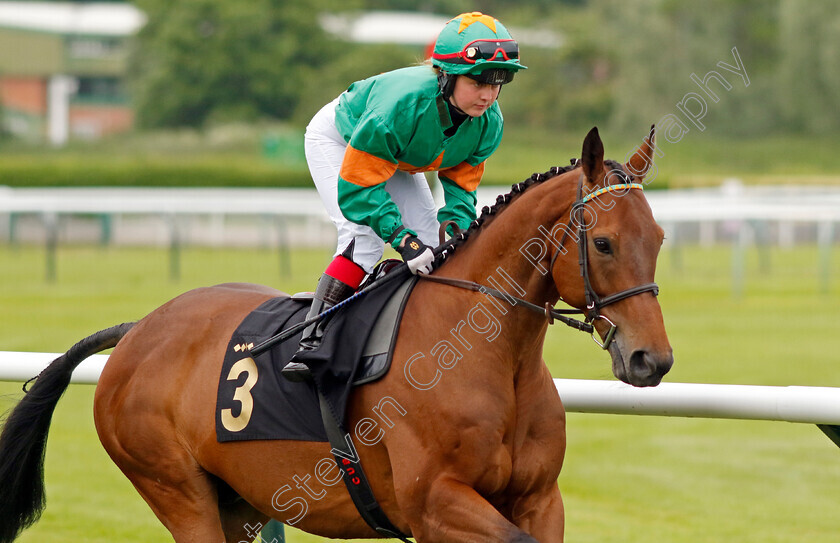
(594, 302)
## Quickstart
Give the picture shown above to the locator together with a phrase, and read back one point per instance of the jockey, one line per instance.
(367, 149)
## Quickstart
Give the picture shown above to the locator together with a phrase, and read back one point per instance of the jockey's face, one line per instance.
(473, 97)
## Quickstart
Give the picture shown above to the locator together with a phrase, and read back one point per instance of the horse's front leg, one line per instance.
(533, 501)
(453, 511)
(541, 515)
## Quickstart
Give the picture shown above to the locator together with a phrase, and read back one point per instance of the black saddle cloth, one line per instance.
(263, 404)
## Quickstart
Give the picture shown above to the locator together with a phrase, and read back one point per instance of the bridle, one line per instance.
(594, 302)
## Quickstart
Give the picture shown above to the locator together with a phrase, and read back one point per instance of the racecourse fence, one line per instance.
(742, 216)
(798, 404)
(172, 217)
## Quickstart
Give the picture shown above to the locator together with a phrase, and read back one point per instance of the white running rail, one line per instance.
(804, 404)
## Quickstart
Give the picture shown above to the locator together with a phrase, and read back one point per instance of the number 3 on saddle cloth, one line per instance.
(255, 402)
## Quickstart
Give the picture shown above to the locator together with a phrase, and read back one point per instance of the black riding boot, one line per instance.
(330, 291)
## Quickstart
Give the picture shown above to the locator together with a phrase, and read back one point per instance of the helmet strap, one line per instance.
(446, 82)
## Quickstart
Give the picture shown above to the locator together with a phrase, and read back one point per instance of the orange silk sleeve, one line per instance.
(465, 175)
(365, 169)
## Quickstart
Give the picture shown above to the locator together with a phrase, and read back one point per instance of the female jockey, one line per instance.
(367, 149)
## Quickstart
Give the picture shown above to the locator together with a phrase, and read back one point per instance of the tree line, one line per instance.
(622, 64)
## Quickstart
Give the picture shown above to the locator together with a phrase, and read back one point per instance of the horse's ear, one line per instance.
(592, 156)
(642, 159)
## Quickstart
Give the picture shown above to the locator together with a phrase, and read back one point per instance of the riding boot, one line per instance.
(330, 291)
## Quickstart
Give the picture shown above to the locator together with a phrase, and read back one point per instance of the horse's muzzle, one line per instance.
(644, 368)
(648, 369)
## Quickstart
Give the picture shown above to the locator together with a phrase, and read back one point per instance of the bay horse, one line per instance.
(464, 438)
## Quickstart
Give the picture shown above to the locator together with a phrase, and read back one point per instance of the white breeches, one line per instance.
(325, 149)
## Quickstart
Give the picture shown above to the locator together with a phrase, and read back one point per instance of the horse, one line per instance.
(462, 440)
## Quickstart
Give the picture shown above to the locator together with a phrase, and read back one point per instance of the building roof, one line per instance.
(106, 19)
(414, 28)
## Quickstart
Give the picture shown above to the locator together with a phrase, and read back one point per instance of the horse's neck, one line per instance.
(497, 255)
(502, 246)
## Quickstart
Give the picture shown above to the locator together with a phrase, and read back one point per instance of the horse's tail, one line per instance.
(24, 438)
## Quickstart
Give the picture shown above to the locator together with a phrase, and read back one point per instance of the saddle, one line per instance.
(255, 402)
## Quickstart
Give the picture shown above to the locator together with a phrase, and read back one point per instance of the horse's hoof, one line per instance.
(296, 372)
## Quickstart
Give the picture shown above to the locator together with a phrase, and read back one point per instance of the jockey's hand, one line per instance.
(417, 255)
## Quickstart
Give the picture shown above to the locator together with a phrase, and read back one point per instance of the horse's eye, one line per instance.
(603, 245)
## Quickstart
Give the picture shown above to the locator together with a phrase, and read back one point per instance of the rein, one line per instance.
(551, 313)
(594, 302)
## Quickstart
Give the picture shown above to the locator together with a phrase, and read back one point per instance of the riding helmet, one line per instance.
(478, 46)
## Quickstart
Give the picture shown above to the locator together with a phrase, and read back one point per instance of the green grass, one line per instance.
(225, 169)
(230, 156)
(628, 479)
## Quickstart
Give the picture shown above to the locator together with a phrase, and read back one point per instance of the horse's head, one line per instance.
(616, 242)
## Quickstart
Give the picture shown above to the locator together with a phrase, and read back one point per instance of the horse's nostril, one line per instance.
(646, 369)
(640, 365)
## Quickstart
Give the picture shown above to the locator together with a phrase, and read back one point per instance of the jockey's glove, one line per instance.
(417, 255)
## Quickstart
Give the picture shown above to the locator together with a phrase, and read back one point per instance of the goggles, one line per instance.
(483, 50)
(493, 76)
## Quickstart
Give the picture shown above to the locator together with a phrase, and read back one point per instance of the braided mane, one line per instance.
(503, 200)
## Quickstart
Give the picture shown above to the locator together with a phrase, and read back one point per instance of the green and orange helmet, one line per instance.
(478, 46)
